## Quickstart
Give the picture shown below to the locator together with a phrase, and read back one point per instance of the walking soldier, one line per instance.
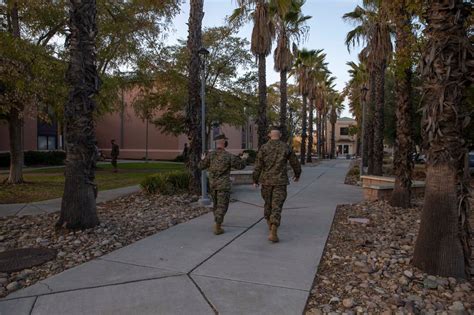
(219, 164)
(271, 171)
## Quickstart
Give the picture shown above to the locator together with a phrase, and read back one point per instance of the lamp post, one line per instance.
(363, 98)
(203, 52)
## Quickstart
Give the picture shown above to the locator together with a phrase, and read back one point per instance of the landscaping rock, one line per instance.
(370, 265)
(123, 221)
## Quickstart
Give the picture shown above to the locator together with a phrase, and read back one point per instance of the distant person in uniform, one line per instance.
(219, 164)
(271, 171)
(185, 152)
(114, 154)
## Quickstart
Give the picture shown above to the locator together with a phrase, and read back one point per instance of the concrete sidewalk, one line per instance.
(188, 270)
(54, 205)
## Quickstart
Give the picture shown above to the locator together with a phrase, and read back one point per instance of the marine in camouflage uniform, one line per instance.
(271, 171)
(219, 164)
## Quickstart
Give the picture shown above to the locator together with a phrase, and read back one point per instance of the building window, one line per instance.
(344, 131)
(47, 143)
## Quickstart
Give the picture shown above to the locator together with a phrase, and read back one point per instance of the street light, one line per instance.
(203, 52)
(363, 98)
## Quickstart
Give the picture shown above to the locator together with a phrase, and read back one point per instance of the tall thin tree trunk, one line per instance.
(403, 163)
(262, 101)
(320, 138)
(303, 130)
(15, 119)
(333, 140)
(309, 154)
(379, 119)
(443, 243)
(193, 112)
(370, 126)
(283, 105)
(78, 208)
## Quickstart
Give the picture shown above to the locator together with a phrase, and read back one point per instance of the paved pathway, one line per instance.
(188, 270)
(54, 205)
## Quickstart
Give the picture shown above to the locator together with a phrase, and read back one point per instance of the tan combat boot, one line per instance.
(273, 234)
(218, 229)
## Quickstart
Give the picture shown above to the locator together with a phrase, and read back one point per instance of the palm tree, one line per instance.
(356, 90)
(301, 69)
(290, 27)
(78, 207)
(317, 73)
(193, 113)
(403, 162)
(373, 27)
(324, 87)
(442, 247)
(263, 34)
(336, 109)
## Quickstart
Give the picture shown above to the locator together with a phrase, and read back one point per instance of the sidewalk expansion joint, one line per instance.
(138, 265)
(224, 246)
(305, 187)
(92, 287)
(33, 305)
(216, 312)
(254, 283)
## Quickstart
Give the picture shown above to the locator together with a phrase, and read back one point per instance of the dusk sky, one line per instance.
(327, 31)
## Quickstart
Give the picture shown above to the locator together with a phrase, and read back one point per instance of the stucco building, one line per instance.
(345, 142)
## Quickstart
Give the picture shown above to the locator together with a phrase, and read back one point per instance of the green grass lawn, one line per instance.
(49, 183)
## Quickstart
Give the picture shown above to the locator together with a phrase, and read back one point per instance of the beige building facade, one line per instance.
(346, 144)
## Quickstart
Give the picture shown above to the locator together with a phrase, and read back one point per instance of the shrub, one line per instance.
(166, 183)
(36, 158)
(252, 156)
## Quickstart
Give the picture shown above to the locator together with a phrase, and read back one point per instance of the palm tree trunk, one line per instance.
(443, 243)
(78, 208)
(333, 140)
(403, 163)
(303, 130)
(15, 121)
(379, 119)
(193, 112)
(262, 101)
(309, 158)
(283, 105)
(320, 138)
(370, 126)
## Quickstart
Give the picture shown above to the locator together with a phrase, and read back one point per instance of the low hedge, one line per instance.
(35, 158)
(166, 183)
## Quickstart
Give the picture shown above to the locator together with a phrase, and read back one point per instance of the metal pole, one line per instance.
(204, 201)
(146, 142)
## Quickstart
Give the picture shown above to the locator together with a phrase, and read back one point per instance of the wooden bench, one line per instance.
(381, 187)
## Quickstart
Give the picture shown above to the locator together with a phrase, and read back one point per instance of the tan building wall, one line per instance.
(130, 133)
(30, 138)
(345, 144)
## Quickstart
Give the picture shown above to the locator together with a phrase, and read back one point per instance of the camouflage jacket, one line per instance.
(115, 151)
(219, 163)
(271, 165)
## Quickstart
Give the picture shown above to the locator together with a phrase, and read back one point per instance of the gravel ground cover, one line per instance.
(366, 267)
(123, 221)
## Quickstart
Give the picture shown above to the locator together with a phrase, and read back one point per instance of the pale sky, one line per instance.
(327, 31)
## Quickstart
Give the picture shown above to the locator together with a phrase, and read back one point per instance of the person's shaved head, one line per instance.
(275, 134)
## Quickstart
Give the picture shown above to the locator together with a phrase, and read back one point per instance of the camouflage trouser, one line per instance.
(274, 197)
(221, 199)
